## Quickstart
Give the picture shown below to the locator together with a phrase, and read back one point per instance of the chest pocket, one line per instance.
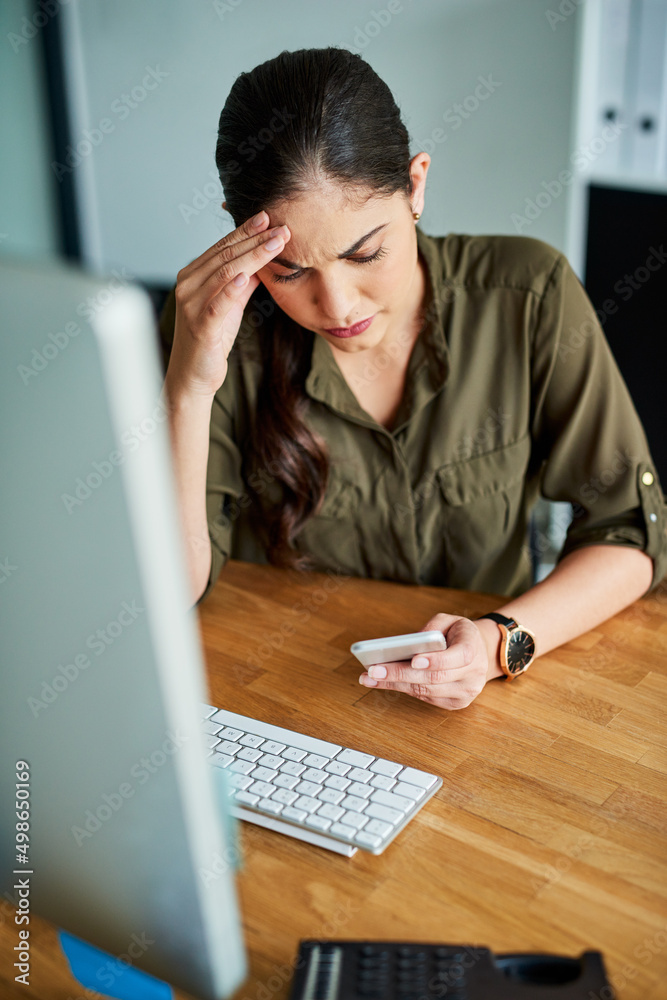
(331, 537)
(482, 506)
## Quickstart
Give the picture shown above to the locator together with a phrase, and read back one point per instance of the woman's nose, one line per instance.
(336, 299)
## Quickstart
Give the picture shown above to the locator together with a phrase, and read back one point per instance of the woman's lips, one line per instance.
(351, 331)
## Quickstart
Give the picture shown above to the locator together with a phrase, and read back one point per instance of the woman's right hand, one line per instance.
(210, 304)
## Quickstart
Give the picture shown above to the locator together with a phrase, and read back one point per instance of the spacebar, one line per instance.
(269, 732)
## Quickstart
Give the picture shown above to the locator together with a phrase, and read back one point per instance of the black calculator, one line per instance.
(392, 970)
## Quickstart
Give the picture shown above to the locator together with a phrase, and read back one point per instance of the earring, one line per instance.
(416, 216)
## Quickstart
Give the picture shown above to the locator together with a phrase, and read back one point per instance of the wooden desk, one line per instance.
(548, 833)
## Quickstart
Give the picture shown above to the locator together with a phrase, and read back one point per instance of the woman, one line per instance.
(383, 403)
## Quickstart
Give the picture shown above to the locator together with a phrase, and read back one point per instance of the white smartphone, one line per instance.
(397, 647)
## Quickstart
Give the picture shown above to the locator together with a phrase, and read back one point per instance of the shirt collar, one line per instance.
(429, 361)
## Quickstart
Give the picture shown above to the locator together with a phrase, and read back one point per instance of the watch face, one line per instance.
(520, 651)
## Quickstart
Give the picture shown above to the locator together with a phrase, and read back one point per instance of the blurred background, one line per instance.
(543, 118)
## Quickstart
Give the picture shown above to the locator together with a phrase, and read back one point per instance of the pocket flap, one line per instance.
(484, 475)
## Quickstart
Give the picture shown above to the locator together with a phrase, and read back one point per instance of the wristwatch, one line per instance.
(517, 647)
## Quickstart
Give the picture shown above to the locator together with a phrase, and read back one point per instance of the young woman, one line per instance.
(349, 393)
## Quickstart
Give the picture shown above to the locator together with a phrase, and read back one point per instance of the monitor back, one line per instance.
(102, 675)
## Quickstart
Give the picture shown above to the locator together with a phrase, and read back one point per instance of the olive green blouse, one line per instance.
(511, 392)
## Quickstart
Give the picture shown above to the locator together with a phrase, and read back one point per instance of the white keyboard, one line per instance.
(320, 792)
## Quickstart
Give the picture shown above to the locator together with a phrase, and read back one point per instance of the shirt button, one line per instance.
(653, 517)
(647, 479)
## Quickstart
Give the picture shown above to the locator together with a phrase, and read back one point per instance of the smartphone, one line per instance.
(397, 647)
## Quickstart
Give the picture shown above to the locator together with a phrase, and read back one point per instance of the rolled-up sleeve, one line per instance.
(586, 430)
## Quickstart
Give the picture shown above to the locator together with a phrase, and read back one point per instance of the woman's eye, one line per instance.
(381, 252)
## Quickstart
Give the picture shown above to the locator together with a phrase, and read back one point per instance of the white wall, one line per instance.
(28, 224)
(142, 175)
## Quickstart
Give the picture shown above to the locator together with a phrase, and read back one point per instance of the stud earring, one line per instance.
(416, 216)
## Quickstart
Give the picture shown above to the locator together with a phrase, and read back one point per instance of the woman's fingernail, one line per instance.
(378, 672)
(367, 681)
(259, 219)
(240, 279)
(420, 663)
(274, 243)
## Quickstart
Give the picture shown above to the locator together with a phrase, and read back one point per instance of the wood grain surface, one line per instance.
(548, 833)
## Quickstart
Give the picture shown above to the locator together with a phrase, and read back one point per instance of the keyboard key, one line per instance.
(270, 746)
(211, 728)
(336, 767)
(378, 828)
(381, 781)
(297, 815)
(247, 753)
(314, 760)
(310, 805)
(210, 741)
(389, 799)
(290, 767)
(242, 767)
(207, 711)
(307, 788)
(276, 733)
(230, 734)
(285, 796)
(342, 830)
(375, 811)
(413, 792)
(226, 746)
(264, 774)
(313, 774)
(262, 788)
(386, 767)
(356, 805)
(335, 781)
(285, 781)
(220, 759)
(354, 819)
(361, 791)
(330, 812)
(251, 741)
(293, 753)
(241, 781)
(270, 760)
(414, 777)
(330, 795)
(246, 799)
(269, 806)
(358, 774)
(319, 822)
(355, 758)
(368, 839)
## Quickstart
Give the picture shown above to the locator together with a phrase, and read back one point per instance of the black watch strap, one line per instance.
(500, 619)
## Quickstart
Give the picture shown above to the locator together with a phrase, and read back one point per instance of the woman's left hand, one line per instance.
(449, 679)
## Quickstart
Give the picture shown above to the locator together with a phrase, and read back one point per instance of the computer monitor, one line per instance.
(102, 675)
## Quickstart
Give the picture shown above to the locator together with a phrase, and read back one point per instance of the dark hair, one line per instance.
(293, 120)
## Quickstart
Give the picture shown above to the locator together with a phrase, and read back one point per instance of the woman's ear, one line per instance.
(224, 205)
(419, 165)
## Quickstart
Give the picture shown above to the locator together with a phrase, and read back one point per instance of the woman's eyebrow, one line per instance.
(346, 253)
